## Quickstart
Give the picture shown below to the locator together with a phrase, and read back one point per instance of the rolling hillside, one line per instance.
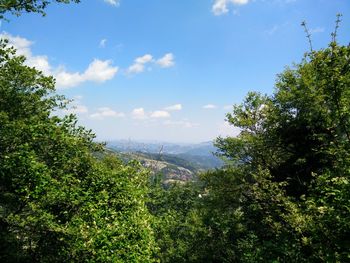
(174, 162)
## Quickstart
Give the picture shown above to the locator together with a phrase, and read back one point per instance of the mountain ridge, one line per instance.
(175, 162)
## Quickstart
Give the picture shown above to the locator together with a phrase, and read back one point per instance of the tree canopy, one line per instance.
(292, 162)
(284, 193)
(58, 202)
(282, 196)
(16, 7)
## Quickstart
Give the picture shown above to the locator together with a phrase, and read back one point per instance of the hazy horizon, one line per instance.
(156, 141)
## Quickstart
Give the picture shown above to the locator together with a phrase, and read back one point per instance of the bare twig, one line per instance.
(308, 34)
(337, 23)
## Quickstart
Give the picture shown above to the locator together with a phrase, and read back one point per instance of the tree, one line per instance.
(283, 195)
(16, 7)
(291, 162)
(57, 201)
(176, 221)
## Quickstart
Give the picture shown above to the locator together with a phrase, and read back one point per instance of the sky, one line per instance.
(169, 70)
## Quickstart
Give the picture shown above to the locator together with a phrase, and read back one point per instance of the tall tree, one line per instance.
(291, 163)
(57, 201)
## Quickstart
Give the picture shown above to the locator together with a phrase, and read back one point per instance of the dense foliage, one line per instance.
(294, 149)
(283, 195)
(58, 202)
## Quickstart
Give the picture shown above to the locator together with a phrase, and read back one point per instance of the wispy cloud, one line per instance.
(97, 71)
(103, 43)
(220, 7)
(106, 112)
(209, 106)
(113, 2)
(175, 107)
(141, 114)
(160, 114)
(23, 47)
(166, 61)
(138, 113)
(139, 64)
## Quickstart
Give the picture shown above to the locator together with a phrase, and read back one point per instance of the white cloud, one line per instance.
(228, 107)
(139, 64)
(100, 71)
(103, 43)
(41, 63)
(23, 47)
(136, 68)
(175, 107)
(112, 2)
(144, 59)
(21, 44)
(106, 112)
(209, 106)
(139, 113)
(65, 79)
(160, 114)
(97, 71)
(221, 6)
(166, 61)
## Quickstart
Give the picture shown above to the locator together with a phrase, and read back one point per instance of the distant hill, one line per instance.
(205, 148)
(176, 162)
(172, 169)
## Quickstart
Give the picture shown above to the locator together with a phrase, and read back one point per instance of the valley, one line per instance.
(171, 162)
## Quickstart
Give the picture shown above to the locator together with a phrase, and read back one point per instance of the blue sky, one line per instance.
(169, 70)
